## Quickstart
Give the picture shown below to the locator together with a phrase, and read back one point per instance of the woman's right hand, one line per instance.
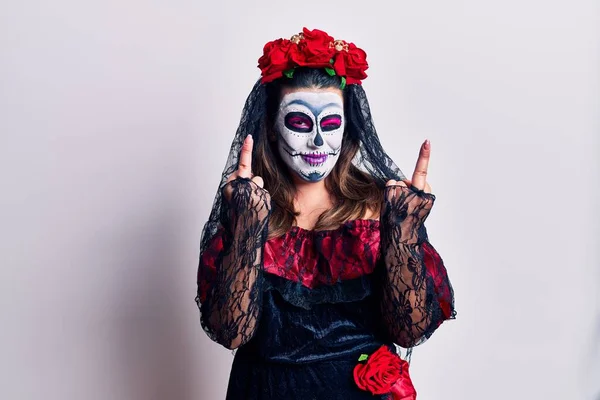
(251, 185)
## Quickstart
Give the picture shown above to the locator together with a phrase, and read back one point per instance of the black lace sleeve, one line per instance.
(416, 292)
(230, 269)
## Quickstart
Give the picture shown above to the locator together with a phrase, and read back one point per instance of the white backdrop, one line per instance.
(116, 118)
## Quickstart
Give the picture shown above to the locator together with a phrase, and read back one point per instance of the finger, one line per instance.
(420, 175)
(245, 165)
(259, 181)
(393, 182)
(427, 187)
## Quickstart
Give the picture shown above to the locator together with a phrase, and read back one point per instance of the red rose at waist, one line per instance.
(385, 373)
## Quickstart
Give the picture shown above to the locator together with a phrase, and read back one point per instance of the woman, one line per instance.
(315, 261)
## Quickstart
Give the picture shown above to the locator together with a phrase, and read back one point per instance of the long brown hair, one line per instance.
(354, 192)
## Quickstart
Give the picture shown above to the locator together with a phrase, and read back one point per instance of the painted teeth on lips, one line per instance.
(314, 159)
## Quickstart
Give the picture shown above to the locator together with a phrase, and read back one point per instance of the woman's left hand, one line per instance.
(419, 177)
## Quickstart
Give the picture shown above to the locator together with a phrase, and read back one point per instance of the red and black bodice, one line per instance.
(303, 307)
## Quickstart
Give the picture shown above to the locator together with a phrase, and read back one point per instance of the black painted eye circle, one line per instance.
(298, 122)
(331, 122)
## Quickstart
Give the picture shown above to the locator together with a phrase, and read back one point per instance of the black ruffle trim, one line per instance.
(301, 296)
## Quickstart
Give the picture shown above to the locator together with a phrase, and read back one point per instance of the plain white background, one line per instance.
(116, 119)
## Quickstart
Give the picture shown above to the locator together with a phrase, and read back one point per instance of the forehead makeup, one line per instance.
(315, 102)
(314, 108)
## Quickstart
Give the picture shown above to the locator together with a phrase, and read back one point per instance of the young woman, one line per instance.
(315, 261)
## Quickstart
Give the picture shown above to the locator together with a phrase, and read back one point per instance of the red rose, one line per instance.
(351, 63)
(356, 64)
(315, 49)
(385, 373)
(277, 57)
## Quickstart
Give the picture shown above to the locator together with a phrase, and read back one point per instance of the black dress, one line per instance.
(303, 308)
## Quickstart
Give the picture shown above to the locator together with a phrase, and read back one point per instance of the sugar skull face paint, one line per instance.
(311, 127)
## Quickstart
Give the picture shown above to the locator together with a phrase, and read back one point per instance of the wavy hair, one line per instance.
(355, 193)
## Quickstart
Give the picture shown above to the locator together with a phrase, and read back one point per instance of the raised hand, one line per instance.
(244, 168)
(405, 207)
(419, 177)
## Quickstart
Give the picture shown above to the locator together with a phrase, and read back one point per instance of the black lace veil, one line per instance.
(416, 296)
(370, 158)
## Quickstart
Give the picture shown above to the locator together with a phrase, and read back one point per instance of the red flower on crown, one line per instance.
(313, 49)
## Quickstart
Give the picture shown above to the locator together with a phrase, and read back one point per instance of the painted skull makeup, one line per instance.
(310, 126)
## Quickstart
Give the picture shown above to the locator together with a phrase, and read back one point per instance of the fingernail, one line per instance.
(427, 143)
(249, 136)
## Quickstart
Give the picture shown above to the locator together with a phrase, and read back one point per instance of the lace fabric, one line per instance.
(413, 289)
(230, 271)
(416, 294)
(370, 158)
(397, 280)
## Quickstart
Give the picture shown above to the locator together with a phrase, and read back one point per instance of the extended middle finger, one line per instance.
(419, 178)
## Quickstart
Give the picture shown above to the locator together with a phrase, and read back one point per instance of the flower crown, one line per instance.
(313, 49)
